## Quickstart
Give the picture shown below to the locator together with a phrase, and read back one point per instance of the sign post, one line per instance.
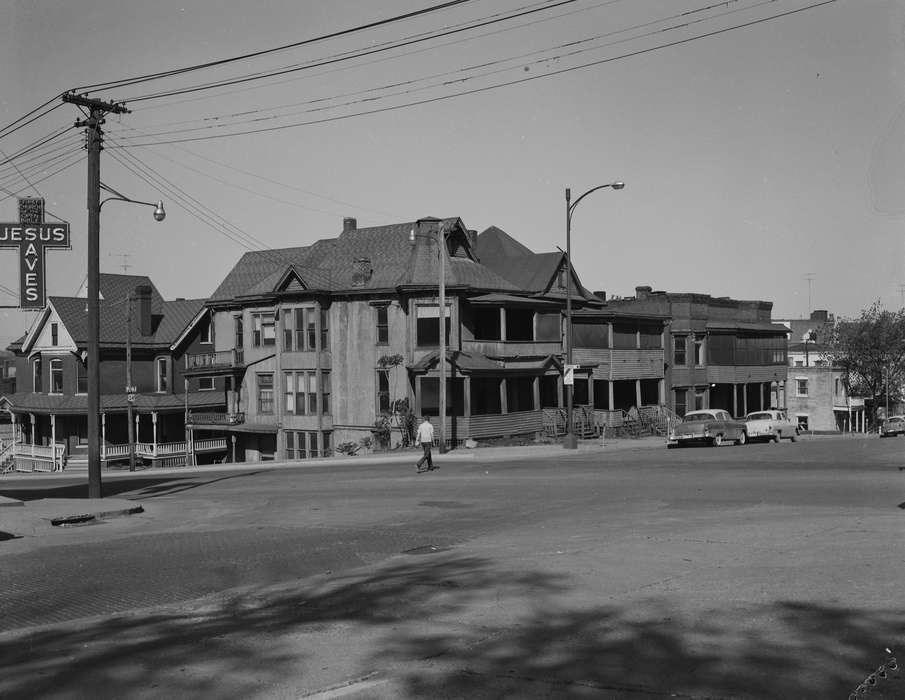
(32, 237)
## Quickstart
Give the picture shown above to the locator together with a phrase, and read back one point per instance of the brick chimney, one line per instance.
(821, 315)
(349, 224)
(643, 291)
(143, 308)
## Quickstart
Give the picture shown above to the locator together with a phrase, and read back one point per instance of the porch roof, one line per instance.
(763, 326)
(478, 363)
(61, 404)
(513, 300)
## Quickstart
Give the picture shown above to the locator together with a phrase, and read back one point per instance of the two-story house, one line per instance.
(721, 353)
(140, 333)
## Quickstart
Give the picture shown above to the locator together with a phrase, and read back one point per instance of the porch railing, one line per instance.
(220, 359)
(38, 458)
(216, 418)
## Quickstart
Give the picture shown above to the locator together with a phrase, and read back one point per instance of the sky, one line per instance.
(763, 158)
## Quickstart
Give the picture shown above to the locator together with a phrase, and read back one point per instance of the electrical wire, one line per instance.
(496, 86)
(341, 58)
(244, 57)
(520, 58)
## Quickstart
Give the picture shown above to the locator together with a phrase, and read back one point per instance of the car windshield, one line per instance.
(692, 417)
(759, 416)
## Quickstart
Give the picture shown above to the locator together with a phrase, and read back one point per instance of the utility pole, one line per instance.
(92, 124)
(130, 390)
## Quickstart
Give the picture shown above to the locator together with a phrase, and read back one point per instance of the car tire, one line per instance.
(717, 440)
(671, 447)
(776, 437)
(794, 437)
(742, 438)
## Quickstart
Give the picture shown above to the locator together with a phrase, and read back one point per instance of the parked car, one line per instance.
(770, 425)
(711, 426)
(893, 426)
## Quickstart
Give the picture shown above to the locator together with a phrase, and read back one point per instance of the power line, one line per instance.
(496, 86)
(520, 57)
(337, 59)
(210, 64)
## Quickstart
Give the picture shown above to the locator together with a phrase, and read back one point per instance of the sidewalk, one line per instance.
(33, 518)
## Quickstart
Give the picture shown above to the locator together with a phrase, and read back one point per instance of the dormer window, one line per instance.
(207, 333)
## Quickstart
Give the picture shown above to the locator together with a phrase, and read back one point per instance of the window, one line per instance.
(311, 328)
(383, 391)
(519, 324)
(679, 350)
(700, 399)
(428, 325)
(263, 330)
(836, 386)
(325, 330)
(162, 365)
(207, 332)
(300, 392)
(699, 351)
(300, 329)
(625, 336)
(383, 325)
(206, 384)
(587, 334)
(487, 323)
(601, 394)
(37, 380)
(799, 363)
(651, 337)
(56, 376)
(520, 394)
(301, 444)
(54, 334)
(240, 332)
(265, 393)
(81, 379)
(801, 387)
(680, 401)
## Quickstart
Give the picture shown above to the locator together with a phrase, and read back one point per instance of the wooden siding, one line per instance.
(500, 348)
(740, 374)
(615, 365)
(506, 424)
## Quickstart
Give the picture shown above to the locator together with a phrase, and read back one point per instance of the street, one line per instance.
(763, 571)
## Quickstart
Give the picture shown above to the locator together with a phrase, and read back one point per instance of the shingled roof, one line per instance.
(360, 260)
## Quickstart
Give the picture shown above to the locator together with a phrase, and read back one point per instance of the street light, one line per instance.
(571, 441)
(94, 386)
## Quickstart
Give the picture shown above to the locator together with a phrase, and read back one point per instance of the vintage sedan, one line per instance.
(711, 426)
(893, 426)
(771, 426)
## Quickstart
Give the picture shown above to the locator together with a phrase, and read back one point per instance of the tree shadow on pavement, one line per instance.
(649, 650)
(238, 645)
(449, 626)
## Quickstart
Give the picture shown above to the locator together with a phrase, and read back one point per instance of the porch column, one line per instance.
(466, 396)
(233, 436)
(611, 394)
(53, 442)
(745, 399)
(32, 417)
(103, 436)
(137, 438)
(734, 399)
(661, 392)
(154, 422)
(504, 404)
(638, 393)
(760, 390)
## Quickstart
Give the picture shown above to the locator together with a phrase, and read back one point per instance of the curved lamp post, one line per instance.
(571, 441)
(94, 392)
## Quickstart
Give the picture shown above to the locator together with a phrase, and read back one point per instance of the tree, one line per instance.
(870, 351)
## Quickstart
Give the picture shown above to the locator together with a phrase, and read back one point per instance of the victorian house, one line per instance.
(141, 334)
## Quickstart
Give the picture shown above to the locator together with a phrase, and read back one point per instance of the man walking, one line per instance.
(425, 438)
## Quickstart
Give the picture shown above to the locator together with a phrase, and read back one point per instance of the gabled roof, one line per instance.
(363, 259)
(495, 243)
(113, 287)
(168, 324)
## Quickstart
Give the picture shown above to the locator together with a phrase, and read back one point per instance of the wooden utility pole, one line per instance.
(92, 124)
